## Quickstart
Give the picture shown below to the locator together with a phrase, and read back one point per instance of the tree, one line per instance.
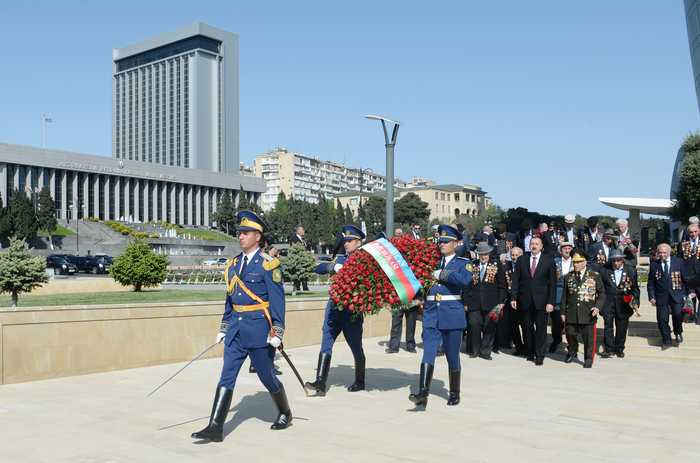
(225, 214)
(324, 221)
(24, 223)
(5, 221)
(339, 221)
(137, 266)
(375, 215)
(19, 271)
(687, 202)
(298, 266)
(410, 209)
(47, 213)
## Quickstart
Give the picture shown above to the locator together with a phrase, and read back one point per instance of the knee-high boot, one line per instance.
(324, 366)
(426, 379)
(284, 416)
(359, 384)
(215, 430)
(455, 376)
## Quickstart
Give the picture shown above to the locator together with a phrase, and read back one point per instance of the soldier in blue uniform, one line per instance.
(338, 321)
(252, 325)
(443, 317)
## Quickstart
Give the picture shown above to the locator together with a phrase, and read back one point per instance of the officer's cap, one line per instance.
(579, 255)
(449, 233)
(351, 232)
(248, 220)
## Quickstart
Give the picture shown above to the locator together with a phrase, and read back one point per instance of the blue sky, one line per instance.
(544, 104)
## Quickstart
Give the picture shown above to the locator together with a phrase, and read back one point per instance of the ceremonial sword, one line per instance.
(183, 368)
(284, 354)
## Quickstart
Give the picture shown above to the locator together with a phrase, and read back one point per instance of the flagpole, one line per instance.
(43, 121)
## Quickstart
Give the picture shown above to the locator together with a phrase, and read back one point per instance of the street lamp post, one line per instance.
(389, 171)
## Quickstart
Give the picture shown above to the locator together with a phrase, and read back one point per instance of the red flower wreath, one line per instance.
(362, 287)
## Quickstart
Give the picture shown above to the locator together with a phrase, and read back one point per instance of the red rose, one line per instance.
(628, 298)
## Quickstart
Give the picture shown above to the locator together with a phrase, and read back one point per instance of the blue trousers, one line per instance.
(261, 358)
(352, 330)
(451, 340)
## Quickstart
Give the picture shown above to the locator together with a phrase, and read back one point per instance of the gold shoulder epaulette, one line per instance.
(271, 264)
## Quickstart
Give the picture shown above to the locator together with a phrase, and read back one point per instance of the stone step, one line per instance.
(673, 354)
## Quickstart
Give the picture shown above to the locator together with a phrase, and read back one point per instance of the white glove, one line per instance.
(220, 337)
(436, 274)
(337, 267)
(274, 341)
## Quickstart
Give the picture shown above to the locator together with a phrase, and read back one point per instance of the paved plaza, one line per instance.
(621, 410)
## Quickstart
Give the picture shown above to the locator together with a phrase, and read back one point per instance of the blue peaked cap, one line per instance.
(248, 220)
(449, 233)
(351, 232)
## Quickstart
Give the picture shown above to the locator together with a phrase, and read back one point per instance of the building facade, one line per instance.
(175, 100)
(303, 178)
(446, 202)
(84, 185)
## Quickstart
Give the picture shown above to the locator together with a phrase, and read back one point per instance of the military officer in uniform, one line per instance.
(338, 321)
(583, 298)
(252, 325)
(443, 316)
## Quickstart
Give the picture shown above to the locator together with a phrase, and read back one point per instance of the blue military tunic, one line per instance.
(443, 316)
(252, 296)
(338, 321)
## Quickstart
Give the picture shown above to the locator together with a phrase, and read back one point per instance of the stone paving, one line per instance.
(621, 410)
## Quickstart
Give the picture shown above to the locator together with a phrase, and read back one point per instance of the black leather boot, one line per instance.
(284, 416)
(455, 376)
(324, 365)
(215, 430)
(359, 384)
(426, 379)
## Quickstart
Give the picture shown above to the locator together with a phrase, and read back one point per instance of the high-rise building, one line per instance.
(175, 99)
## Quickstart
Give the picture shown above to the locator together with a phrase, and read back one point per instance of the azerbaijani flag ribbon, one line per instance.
(395, 267)
(28, 188)
(47, 120)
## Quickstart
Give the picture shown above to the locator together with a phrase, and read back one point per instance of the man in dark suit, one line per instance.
(487, 290)
(599, 251)
(299, 238)
(584, 296)
(590, 235)
(501, 240)
(564, 266)
(523, 237)
(667, 289)
(534, 293)
(513, 317)
(571, 232)
(621, 301)
(415, 231)
(689, 251)
(553, 238)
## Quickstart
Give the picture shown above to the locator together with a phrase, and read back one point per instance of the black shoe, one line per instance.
(455, 376)
(539, 362)
(665, 346)
(494, 351)
(440, 353)
(473, 355)
(517, 353)
(277, 370)
(284, 416)
(359, 384)
(679, 338)
(412, 350)
(251, 369)
(530, 358)
(389, 350)
(621, 354)
(485, 357)
(606, 353)
(215, 430)
(553, 347)
(426, 379)
(587, 365)
(570, 357)
(324, 366)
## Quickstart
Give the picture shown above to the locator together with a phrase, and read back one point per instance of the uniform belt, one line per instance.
(444, 297)
(251, 308)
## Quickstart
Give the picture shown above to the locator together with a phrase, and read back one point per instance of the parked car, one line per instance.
(90, 264)
(219, 261)
(60, 265)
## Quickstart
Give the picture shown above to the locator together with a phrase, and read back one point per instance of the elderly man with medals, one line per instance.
(443, 316)
(583, 298)
(252, 325)
(340, 321)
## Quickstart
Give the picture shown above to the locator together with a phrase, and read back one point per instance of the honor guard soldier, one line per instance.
(443, 316)
(338, 321)
(583, 298)
(252, 325)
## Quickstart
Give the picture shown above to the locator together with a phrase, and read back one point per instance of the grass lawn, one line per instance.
(60, 231)
(202, 233)
(123, 297)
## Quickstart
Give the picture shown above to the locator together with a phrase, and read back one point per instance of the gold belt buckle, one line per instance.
(438, 297)
(238, 308)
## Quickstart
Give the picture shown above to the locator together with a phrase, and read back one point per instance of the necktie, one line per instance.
(665, 268)
(483, 271)
(245, 264)
(304, 242)
(695, 247)
(533, 267)
(442, 266)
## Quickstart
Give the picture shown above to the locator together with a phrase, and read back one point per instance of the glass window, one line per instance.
(167, 51)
